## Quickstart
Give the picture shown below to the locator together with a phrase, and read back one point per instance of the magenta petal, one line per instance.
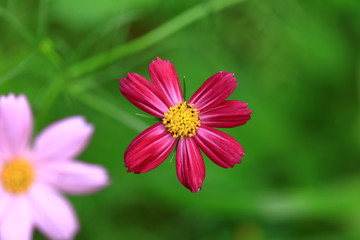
(190, 166)
(214, 91)
(15, 124)
(165, 78)
(226, 115)
(220, 147)
(149, 149)
(73, 177)
(53, 214)
(17, 222)
(143, 94)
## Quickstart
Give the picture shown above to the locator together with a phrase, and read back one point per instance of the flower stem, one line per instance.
(16, 24)
(42, 16)
(357, 127)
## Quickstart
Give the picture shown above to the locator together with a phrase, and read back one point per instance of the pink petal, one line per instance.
(190, 166)
(214, 91)
(220, 147)
(5, 201)
(5, 155)
(73, 177)
(53, 214)
(143, 94)
(228, 114)
(149, 149)
(17, 222)
(64, 139)
(165, 78)
(15, 124)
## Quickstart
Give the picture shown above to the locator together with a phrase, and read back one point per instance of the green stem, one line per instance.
(57, 84)
(357, 127)
(46, 46)
(10, 6)
(42, 17)
(17, 69)
(46, 100)
(147, 40)
(16, 24)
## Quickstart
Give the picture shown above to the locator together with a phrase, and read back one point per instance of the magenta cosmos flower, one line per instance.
(189, 126)
(32, 176)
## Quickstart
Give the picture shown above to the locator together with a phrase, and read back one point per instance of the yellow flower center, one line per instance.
(182, 120)
(17, 176)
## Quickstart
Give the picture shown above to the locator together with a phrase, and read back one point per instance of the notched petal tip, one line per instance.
(16, 123)
(164, 76)
(190, 167)
(121, 81)
(158, 59)
(195, 190)
(6, 97)
(129, 170)
(226, 73)
(158, 62)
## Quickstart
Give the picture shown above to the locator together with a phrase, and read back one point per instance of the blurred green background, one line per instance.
(297, 64)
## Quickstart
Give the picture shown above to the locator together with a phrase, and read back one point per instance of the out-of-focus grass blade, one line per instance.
(16, 69)
(108, 109)
(156, 35)
(17, 25)
(42, 16)
(98, 34)
(46, 46)
(357, 130)
(45, 101)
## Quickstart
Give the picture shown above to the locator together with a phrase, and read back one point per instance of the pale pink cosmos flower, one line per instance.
(33, 176)
(187, 125)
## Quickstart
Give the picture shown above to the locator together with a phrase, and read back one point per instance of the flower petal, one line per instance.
(143, 94)
(214, 91)
(5, 201)
(5, 154)
(228, 114)
(190, 166)
(220, 147)
(165, 78)
(17, 222)
(63, 139)
(149, 149)
(73, 177)
(53, 214)
(15, 124)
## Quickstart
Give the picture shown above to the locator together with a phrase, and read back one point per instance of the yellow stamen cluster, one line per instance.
(17, 176)
(182, 120)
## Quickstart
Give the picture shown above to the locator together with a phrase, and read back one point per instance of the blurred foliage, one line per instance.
(297, 63)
